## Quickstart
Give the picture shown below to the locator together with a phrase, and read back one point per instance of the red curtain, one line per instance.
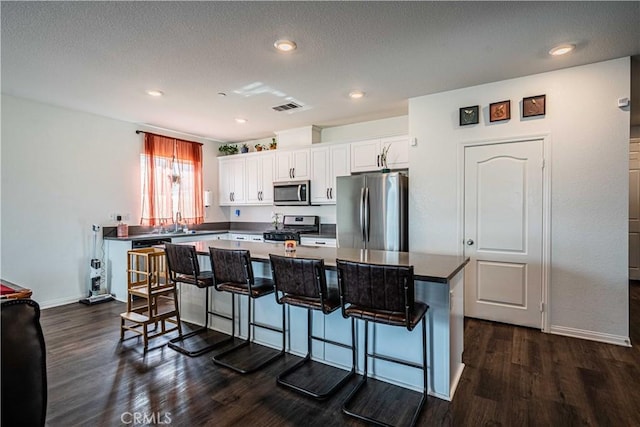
(172, 181)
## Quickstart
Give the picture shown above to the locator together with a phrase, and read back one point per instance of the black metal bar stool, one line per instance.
(182, 263)
(381, 294)
(302, 282)
(233, 272)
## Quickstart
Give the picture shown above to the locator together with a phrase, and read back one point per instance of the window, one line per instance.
(171, 175)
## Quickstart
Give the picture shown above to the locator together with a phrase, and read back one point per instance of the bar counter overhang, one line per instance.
(439, 282)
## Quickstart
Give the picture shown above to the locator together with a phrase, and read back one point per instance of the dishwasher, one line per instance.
(147, 243)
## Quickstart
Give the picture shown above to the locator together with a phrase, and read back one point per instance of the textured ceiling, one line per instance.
(100, 57)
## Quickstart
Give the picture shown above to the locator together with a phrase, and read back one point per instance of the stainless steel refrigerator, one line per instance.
(372, 211)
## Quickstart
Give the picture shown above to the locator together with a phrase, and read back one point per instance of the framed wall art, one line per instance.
(469, 115)
(534, 106)
(499, 111)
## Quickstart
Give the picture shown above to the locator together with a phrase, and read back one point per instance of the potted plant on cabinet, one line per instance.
(273, 145)
(244, 148)
(258, 147)
(227, 149)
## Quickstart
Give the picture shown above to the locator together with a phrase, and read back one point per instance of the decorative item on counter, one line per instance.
(244, 148)
(273, 145)
(258, 147)
(290, 246)
(383, 159)
(275, 218)
(122, 228)
(499, 111)
(227, 149)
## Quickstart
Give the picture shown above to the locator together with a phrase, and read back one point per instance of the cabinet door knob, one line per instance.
(470, 242)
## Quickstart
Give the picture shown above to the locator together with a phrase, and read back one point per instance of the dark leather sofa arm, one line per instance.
(24, 370)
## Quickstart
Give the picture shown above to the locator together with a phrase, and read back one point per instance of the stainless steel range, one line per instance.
(292, 227)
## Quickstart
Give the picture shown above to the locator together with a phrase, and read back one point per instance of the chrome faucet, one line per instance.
(176, 223)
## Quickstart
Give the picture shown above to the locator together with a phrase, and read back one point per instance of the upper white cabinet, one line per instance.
(259, 178)
(366, 155)
(231, 181)
(327, 163)
(292, 165)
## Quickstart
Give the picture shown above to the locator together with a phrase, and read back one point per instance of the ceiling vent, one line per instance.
(287, 107)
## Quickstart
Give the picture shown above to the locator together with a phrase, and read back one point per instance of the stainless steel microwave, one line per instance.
(292, 193)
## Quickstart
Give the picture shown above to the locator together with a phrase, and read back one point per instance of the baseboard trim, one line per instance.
(455, 381)
(591, 335)
(59, 301)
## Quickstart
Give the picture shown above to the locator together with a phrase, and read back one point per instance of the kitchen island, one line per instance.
(439, 283)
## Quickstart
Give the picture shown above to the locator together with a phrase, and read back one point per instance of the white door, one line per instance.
(634, 211)
(503, 232)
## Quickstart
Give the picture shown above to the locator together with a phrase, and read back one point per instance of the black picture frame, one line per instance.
(499, 111)
(534, 106)
(470, 115)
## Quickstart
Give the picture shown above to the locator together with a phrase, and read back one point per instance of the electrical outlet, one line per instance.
(126, 217)
(114, 216)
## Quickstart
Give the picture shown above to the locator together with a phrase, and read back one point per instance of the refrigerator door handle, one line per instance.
(366, 214)
(362, 215)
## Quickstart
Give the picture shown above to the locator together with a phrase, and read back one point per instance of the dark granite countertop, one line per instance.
(327, 231)
(427, 267)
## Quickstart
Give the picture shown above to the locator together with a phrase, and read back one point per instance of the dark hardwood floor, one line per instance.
(513, 377)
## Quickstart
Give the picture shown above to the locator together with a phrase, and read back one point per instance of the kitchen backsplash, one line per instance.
(327, 213)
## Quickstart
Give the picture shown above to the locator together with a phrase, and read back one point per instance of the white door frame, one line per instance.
(546, 208)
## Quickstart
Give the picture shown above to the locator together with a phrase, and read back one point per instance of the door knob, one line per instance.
(469, 242)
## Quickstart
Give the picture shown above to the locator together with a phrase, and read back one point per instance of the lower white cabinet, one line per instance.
(318, 242)
(199, 237)
(246, 237)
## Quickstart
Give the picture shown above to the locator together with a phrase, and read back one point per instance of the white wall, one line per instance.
(62, 171)
(365, 130)
(589, 138)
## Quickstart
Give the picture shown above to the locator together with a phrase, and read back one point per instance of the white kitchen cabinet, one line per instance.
(246, 237)
(327, 163)
(199, 237)
(318, 242)
(292, 165)
(259, 178)
(231, 181)
(366, 155)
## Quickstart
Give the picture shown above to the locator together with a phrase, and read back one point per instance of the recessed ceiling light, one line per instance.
(285, 45)
(155, 93)
(356, 94)
(241, 120)
(562, 49)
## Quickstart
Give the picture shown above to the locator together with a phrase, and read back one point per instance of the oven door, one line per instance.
(291, 193)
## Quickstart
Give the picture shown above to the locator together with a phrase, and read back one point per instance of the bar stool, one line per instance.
(182, 263)
(381, 294)
(233, 272)
(301, 282)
